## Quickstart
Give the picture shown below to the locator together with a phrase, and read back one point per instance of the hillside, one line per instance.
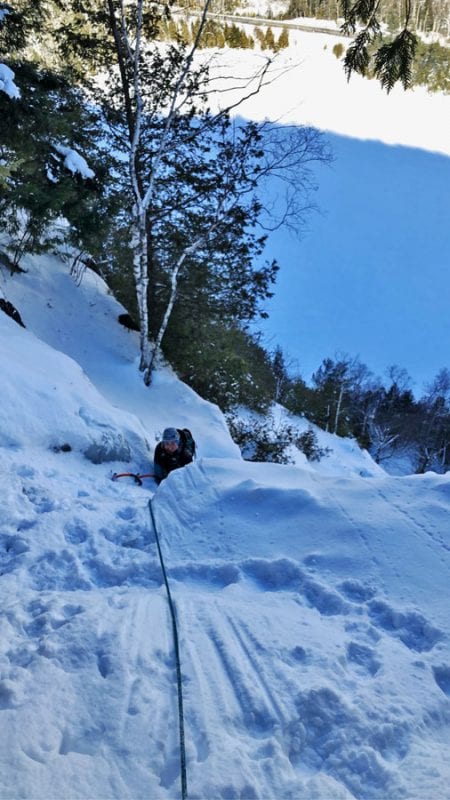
(312, 603)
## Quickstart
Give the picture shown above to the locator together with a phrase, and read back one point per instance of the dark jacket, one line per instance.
(165, 462)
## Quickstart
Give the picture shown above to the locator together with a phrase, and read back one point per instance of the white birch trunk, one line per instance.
(167, 314)
(173, 293)
(139, 214)
(140, 271)
(338, 408)
(140, 254)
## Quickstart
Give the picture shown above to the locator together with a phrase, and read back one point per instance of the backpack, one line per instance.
(187, 440)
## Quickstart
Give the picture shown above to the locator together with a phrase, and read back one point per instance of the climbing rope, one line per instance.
(177, 660)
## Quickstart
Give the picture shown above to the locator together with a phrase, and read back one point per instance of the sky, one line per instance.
(311, 599)
(370, 276)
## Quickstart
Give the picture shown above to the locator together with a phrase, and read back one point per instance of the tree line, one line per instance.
(427, 63)
(222, 34)
(426, 16)
(344, 397)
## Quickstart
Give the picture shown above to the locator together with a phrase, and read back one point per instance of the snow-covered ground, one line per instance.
(370, 276)
(312, 603)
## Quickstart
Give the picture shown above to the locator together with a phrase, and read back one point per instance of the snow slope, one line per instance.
(313, 604)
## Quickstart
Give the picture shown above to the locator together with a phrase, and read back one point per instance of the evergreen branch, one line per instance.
(357, 57)
(362, 11)
(393, 61)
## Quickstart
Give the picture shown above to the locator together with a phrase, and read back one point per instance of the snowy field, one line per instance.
(313, 602)
(370, 275)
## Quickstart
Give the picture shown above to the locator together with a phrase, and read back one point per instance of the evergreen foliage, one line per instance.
(224, 363)
(42, 202)
(308, 443)
(281, 375)
(394, 60)
(190, 210)
(431, 67)
(395, 56)
(263, 440)
(283, 40)
(191, 198)
(427, 16)
(270, 39)
(385, 419)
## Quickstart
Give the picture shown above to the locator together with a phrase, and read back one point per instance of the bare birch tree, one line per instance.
(190, 170)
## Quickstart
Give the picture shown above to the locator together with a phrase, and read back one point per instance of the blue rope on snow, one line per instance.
(177, 661)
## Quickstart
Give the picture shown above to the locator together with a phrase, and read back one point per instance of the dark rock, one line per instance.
(128, 322)
(11, 311)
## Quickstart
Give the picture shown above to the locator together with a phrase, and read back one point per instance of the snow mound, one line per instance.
(48, 402)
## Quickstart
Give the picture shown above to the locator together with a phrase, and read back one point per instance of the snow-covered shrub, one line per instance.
(308, 443)
(260, 440)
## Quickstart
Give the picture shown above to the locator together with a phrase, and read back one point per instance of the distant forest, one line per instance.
(346, 398)
(431, 66)
(427, 16)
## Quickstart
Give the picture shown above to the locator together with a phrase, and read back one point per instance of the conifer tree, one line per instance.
(39, 188)
(269, 39)
(280, 372)
(283, 40)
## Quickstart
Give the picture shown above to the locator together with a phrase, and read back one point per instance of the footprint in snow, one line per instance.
(39, 500)
(9, 696)
(75, 532)
(363, 657)
(363, 631)
(357, 592)
(211, 576)
(46, 617)
(38, 625)
(127, 571)
(57, 570)
(84, 740)
(25, 471)
(11, 550)
(105, 655)
(132, 535)
(283, 574)
(409, 626)
(26, 524)
(328, 733)
(442, 678)
(298, 655)
(127, 513)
